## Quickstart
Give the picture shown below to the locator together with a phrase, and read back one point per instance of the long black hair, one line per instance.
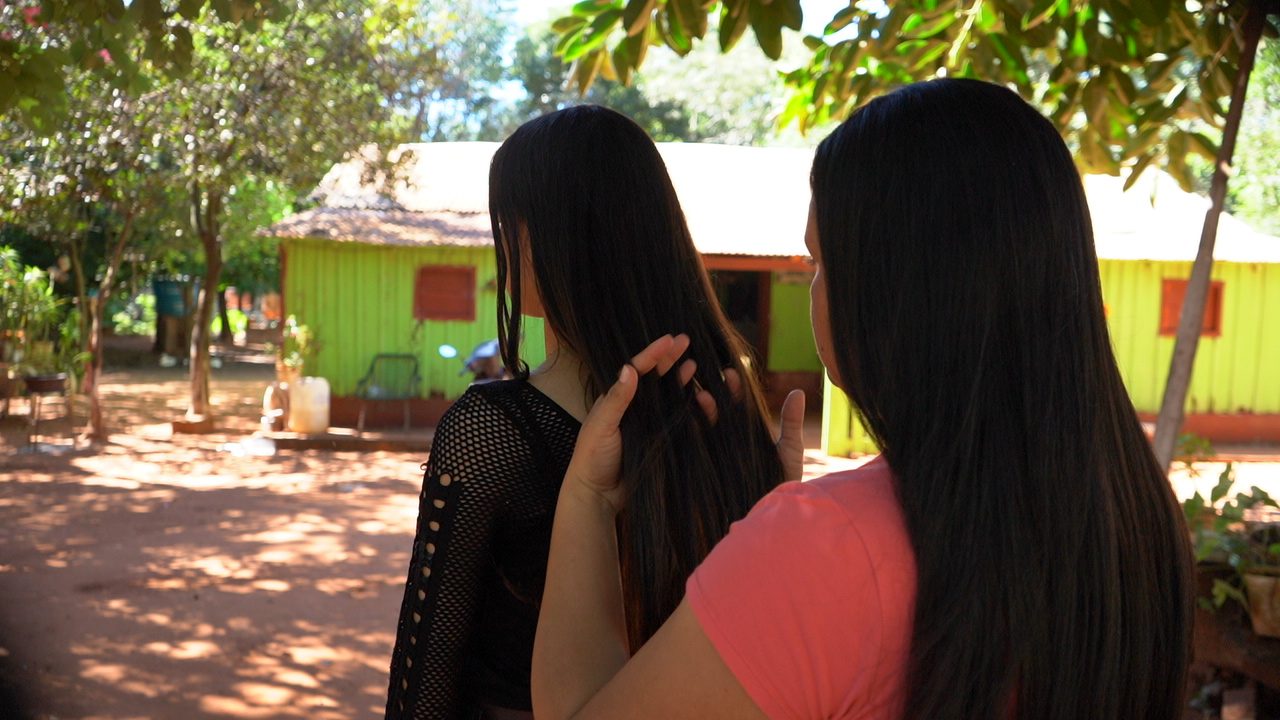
(583, 194)
(966, 314)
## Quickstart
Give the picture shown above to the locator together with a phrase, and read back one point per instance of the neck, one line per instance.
(562, 377)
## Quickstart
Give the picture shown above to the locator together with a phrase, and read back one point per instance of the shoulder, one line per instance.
(862, 502)
(485, 430)
(810, 596)
(486, 407)
(838, 525)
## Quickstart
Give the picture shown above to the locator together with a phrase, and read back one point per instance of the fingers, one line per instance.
(606, 414)
(792, 416)
(791, 439)
(734, 382)
(687, 370)
(661, 354)
(708, 404)
(679, 345)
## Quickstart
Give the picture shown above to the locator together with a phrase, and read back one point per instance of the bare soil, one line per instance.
(160, 576)
(164, 576)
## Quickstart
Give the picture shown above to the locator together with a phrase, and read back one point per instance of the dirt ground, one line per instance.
(170, 577)
(162, 576)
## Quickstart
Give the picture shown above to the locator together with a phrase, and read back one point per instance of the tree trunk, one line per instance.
(97, 429)
(225, 336)
(1187, 340)
(200, 335)
(97, 308)
(207, 216)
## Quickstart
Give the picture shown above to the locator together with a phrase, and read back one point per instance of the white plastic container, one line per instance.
(309, 405)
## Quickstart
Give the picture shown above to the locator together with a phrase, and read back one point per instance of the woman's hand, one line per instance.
(790, 441)
(790, 438)
(597, 458)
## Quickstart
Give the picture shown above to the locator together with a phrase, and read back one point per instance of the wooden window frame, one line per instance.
(1172, 292)
(455, 301)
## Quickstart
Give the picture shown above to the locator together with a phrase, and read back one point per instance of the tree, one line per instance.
(251, 262)
(1254, 193)
(545, 79)
(446, 66)
(87, 186)
(43, 42)
(280, 103)
(1128, 84)
(706, 97)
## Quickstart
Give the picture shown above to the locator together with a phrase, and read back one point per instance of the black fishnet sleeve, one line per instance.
(477, 455)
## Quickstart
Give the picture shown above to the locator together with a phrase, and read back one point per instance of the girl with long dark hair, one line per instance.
(1015, 552)
(589, 235)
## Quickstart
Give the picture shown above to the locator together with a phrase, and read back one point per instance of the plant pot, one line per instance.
(287, 374)
(1264, 603)
(46, 383)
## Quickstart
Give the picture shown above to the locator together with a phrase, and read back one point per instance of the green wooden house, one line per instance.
(1146, 240)
(406, 264)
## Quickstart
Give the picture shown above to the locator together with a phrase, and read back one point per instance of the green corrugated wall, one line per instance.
(358, 299)
(1237, 372)
(791, 347)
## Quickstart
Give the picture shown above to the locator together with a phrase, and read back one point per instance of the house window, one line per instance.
(1171, 296)
(443, 292)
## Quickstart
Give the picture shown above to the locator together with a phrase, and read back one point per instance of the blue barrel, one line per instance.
(168, 292)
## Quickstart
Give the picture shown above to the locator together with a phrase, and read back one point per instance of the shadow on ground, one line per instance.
(158, 577)
(231, 587)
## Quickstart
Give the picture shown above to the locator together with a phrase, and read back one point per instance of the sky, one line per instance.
(816, 12)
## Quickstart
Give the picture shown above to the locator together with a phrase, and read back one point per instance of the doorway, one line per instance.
(745, 295)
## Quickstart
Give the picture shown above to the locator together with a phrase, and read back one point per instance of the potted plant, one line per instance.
(1229, 533)
(10, 296)
(1261, 576)
(41, 319)
(297, 351)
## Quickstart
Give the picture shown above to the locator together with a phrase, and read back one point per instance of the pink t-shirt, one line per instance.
(809, 599)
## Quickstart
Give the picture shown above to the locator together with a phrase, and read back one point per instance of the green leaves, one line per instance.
(734, 20)
(600, 27)
(1131, 85)
(636, 16)
(592, 36)
(105, 37)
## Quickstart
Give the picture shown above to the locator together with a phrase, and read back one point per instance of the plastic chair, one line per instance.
(391, 376)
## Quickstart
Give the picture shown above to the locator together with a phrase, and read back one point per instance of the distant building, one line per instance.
(407, 268)
(412, 268)
(1146, 240)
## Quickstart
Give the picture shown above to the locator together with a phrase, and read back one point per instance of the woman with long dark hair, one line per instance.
(1015, 552)
(589, 235)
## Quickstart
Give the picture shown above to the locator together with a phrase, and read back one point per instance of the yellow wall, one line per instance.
(1234, 373)
(1237, 372)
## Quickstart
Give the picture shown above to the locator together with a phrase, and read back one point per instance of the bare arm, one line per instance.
(580, 658)
(580, 663)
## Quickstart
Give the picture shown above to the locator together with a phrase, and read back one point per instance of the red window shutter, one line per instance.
(1171, 294)
(445, 292)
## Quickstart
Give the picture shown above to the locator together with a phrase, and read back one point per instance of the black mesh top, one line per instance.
(465, 637)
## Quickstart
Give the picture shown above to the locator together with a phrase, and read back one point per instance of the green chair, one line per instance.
(391, 376)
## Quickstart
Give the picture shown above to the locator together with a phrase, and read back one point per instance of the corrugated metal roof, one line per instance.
(737, 200)
(388, 227)
(1157, 220)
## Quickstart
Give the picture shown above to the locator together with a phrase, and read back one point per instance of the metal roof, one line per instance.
(388, 227)
(742, 201)
(737, 201)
